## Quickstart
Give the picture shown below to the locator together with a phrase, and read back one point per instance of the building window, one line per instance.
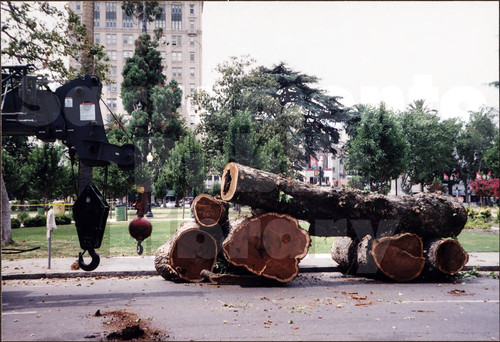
(112, 55)
(191, 56)
(97, 38)
(127, 54)
(163, 55)
(112, 87)
(111, 39)
(128, 20)
(177, 40)
(176, 56)
(191, 41)
(191, 87)
(161, 21)
(191, 9)
(78, 5)
(128, 39)
(192, 118)
(111, 102)
(191, 72)
(176, 17)
(177, 72)
(110, 14)
(191, 24)
(113, 71)
(97, 14)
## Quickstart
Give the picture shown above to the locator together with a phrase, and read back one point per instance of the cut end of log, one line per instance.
(270, 245)
(187, 253)
(207, 210)
(449, 256)
(399, 257)
(229, 181)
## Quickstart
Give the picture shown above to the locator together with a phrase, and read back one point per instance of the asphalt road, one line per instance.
(315, 306)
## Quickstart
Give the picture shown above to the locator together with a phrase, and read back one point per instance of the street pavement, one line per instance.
(13, 268)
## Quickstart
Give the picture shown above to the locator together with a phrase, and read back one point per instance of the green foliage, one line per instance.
(436, 186)
(378, 151)
(355, 182)
(474, 273)
(240, 144)
(27, 40)
(15, 223)
(485, 214)
(478, 223)
(62, 219)
(23, 215)
(491, 159)
(430, 141)
(471, 213)
(215, 190)
(37, 221)
(184, 168)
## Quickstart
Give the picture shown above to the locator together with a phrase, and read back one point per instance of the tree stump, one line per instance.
(209, 211)
(343, 212)
(186, 253)
(270, 245)
(446, 256)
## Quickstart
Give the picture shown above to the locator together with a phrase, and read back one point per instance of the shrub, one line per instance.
(62, 219)
(23, 215)
(37, 221)
(485, 214)
(15, 223)
(471, 214)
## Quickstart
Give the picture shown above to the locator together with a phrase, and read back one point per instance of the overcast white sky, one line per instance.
(367, 52)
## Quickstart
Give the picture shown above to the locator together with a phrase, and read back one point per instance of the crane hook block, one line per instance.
(90, 213)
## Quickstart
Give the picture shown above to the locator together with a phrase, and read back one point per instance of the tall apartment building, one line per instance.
(180, 46)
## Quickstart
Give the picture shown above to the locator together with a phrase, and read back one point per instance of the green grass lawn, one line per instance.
(118, 242)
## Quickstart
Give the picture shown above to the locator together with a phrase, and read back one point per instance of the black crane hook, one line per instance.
(93, 264)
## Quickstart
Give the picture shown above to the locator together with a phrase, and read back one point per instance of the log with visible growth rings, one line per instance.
(446, 256)
(398, 257)
(269, 245)
(186, 253)
(209, 211)
(336, 212)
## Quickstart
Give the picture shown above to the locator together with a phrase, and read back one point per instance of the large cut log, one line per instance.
(270, 245)
(346, 212)
(398, 257)
(186, 253)
(209, 211)
(446, 256)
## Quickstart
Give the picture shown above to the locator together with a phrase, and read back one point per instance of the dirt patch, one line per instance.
(125, 325)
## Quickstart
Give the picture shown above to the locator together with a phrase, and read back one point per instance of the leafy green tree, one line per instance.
(240, 144)
(15, 151)
(185, 166)
(145, 11)
(430, 141)
(474, 140)
(378, 151)
(27, 40)
(491, 159)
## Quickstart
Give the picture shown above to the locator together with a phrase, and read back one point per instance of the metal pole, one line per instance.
(50, 246)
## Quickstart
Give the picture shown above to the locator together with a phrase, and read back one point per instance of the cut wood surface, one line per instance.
(209, 211)
(186, 253)
(398, 257)
(343, 212)
(270, 245)
(446, 256)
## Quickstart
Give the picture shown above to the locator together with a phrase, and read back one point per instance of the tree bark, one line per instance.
(186, 253)
(446, 256)
(398, 257)
(343, 213)
(6, 226)
(270, 245)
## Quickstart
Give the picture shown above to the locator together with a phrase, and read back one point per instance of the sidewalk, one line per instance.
(144, 266)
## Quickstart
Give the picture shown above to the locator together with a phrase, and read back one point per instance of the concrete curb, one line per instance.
(108, 274)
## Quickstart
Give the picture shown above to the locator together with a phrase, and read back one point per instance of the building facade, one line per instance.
(180, 47)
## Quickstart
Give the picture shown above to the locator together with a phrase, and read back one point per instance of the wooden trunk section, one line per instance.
(446, 256)
(343, 212)
(270, 245)
(209, 211)
(188, 252)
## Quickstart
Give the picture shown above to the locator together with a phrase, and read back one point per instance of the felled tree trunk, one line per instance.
(344, 212)
(446, 256)
(399, 257)
(186, 253)
(211, 214)
(270, 245)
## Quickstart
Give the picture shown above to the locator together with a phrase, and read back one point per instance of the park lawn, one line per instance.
(479, 241)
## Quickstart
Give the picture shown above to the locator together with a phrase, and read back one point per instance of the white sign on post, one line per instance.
(87, 111)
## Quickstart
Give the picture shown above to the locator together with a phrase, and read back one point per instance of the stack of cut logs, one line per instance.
(397, 238)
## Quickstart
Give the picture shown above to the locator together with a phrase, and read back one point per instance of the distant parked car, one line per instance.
(171, 204)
